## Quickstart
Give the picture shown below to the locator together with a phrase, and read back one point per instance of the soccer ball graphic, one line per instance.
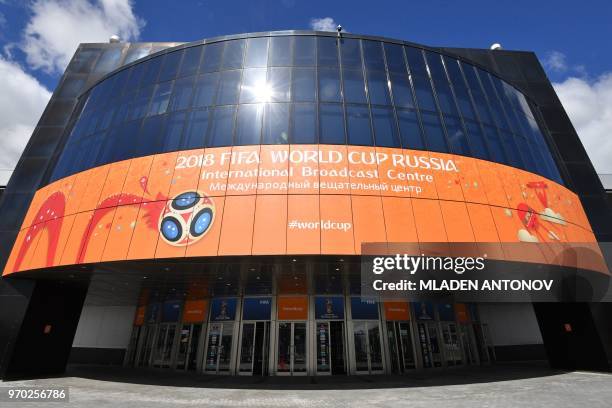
(186, 218)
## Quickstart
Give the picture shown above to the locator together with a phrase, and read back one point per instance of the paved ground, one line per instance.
(501, 386)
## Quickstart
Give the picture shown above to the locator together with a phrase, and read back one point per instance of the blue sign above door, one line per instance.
(171, 311)
(364, 308)
(257, 308)
(423, 310)
(329, 307)
(223, 309)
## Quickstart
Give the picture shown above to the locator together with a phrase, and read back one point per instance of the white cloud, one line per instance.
(323, 24)
(555, 61)
(56, 27)
(22, 100)
(589, 106)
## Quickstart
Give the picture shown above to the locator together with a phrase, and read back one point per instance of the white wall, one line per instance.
(104, 326)
(108, 312)
(511, 323)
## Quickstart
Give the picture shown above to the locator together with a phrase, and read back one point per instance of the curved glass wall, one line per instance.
(305, 89)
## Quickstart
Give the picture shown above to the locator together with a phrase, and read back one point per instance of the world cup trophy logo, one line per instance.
(186, 218)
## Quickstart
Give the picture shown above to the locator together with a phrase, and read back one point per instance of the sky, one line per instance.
(38, 38)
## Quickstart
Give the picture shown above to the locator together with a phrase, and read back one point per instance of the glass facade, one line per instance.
(304, 89)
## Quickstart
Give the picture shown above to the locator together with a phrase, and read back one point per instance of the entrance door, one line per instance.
(254, 347)
(144, 355)
(466, 336)
(368, 350)
(291, 353)
(186, 358)
(162, 353)
(330, 347)
(130, 359)
(452, 350)
(430, 344)
(219, 348)
(400, 347)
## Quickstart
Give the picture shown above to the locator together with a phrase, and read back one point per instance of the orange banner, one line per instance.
(292, 308)
(195, 311)
(290, 200)
(396, 310)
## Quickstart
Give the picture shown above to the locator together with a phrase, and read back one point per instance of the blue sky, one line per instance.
(571, 38)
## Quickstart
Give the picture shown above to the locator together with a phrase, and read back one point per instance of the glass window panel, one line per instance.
(136, 51)
(173, 132)
(257, 52)
(124, 106)
(151, 71)
(327, 51)
(351, 53)
(373, 55)
(303, 128)
(105, 118)
(329, 84)
(424, 94)
(434, 132)
(456, 136)
(276, 123)
(109, 60)
(461, 93)
(402, 92)
(232, 56)
(254, 87)
(281, 51)
(279, 81)
(206, 89)
(331, 124)
(354, 86)
(378, 88)
(117, 83)
(477, 143)
(221, 127)
(150, 138)
(411, 133)
(358, 125)
(141, 103)
(304, 87)
(514, 155)
(170, 66)
(182, 94)
(83, 61)
(523, 146)
(495, 146)
(229, 87)
(124, 143)
(191, 61)
(212, 57)
(195, 131)
(395, 58)
(133, 83)
(248, 124)
(161, 98)
(416, 61)
(304, 51)
(482, 107)
(385, 129)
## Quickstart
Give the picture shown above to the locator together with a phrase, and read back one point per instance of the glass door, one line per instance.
(189, 336)
(162, 353)
(368, 350)
(467, 342)
(452, 350)
(254, 345)
(219, 348)
(291, 352)
(430, 344)
(400, 346)
(144, 355)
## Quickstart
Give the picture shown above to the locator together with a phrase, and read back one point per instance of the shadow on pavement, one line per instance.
(429, 378)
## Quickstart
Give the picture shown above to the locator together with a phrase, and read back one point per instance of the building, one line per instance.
(203, 206)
